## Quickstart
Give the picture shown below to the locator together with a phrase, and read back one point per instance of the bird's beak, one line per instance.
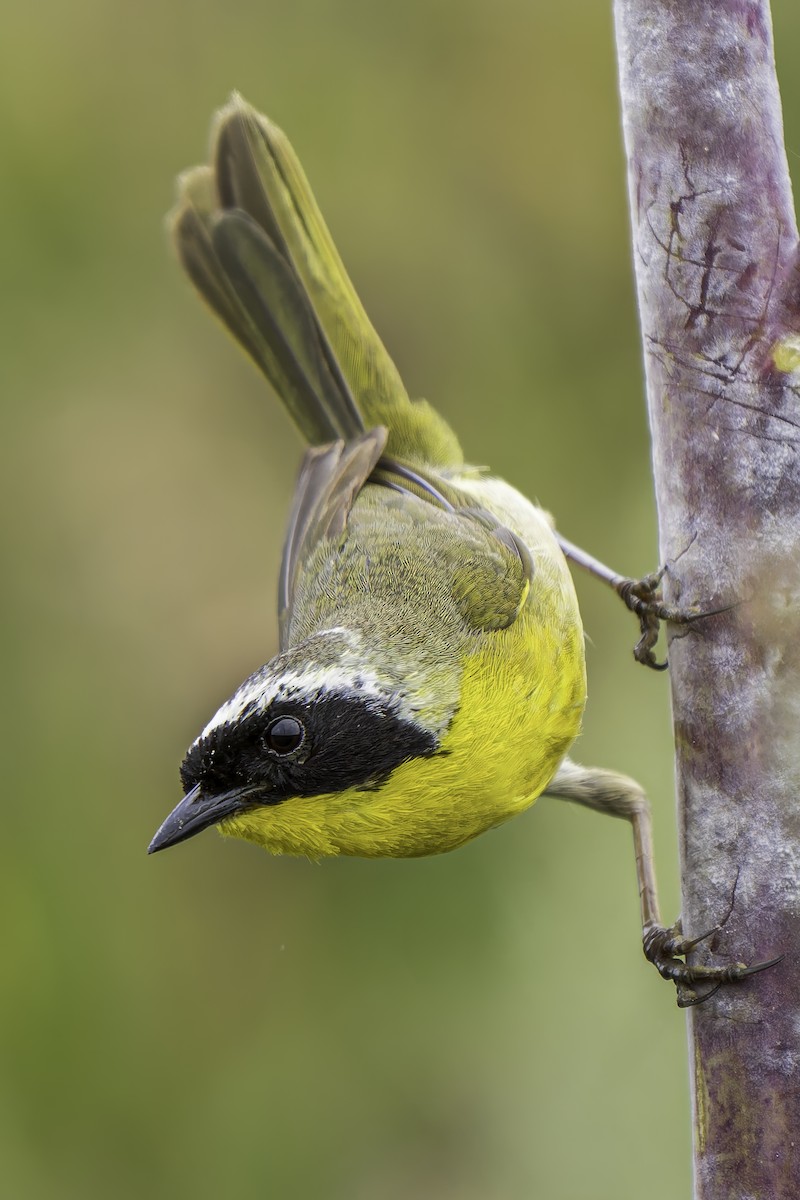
(195, 813)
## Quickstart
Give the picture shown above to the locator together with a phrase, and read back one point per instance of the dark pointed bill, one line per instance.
(195, 813)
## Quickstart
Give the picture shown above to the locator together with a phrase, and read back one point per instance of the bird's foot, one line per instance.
(643, 597)
(665, 949)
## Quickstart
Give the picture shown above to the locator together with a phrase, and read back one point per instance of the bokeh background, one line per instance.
(212, 1021)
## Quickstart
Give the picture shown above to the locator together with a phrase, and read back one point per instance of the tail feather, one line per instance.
(191, 224)
(299, 362)
(252, 239)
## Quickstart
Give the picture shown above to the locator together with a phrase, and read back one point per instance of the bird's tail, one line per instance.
(250, 236)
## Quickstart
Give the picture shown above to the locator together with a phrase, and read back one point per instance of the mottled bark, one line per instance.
(715, 253)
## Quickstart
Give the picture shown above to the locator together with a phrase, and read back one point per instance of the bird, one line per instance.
(430, 677)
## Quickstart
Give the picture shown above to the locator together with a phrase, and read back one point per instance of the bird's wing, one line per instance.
(491, 568)
(330, 479)
(491, 587)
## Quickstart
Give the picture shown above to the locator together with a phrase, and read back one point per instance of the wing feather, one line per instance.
(330, 479)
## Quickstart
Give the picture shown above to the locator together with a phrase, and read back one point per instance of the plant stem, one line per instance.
(715, 254)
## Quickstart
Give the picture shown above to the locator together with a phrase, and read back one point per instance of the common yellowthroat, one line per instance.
(431, 675)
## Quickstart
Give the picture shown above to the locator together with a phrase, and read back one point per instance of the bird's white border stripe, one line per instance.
(262, 689)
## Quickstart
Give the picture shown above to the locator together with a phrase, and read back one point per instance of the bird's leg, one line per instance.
(642, 597)
(663, 946)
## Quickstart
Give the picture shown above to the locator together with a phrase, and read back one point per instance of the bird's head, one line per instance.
(313, 722)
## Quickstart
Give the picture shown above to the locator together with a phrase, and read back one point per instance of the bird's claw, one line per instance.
(643, 597)
(665, 948)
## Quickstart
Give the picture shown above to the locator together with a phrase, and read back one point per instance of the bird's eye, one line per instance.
(284, 735)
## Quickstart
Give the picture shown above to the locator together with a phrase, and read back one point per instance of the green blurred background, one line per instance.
(213, 1021)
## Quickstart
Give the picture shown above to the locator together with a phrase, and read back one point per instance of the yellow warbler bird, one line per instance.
(431, 677)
